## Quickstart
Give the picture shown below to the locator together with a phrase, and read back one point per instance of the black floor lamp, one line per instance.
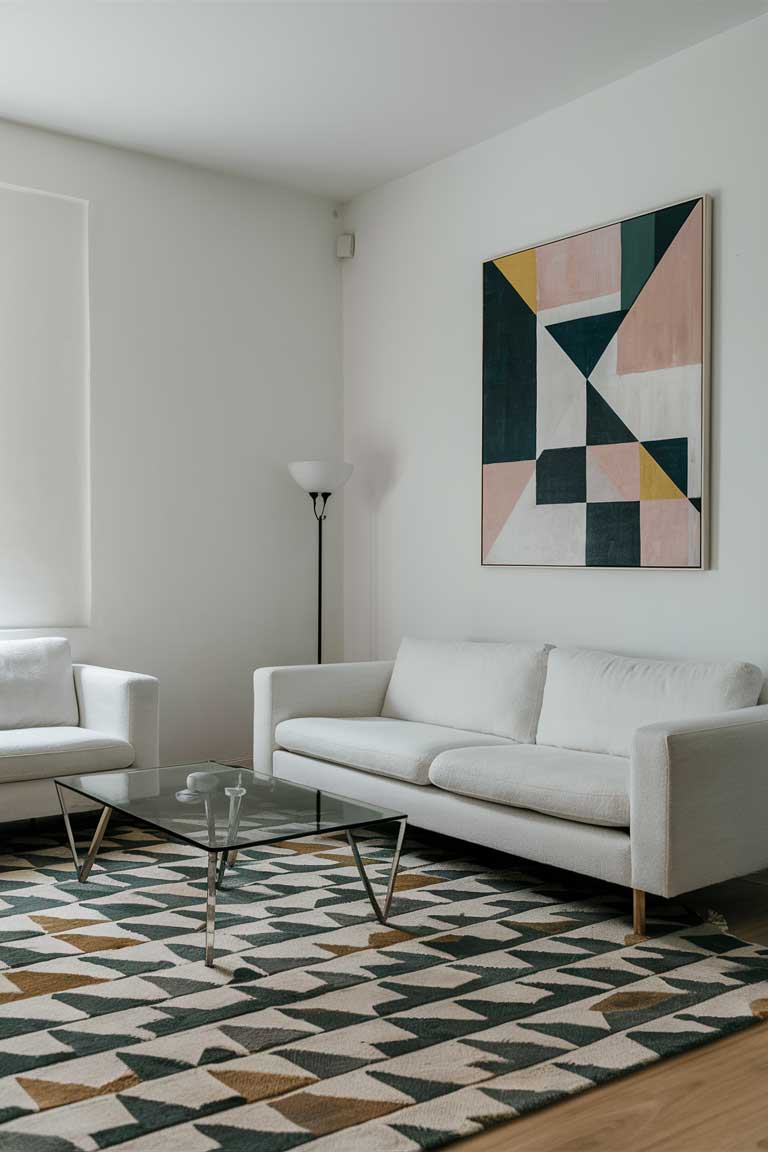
(320, 479)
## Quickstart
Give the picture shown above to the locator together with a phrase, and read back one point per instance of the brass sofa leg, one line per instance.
(638, 912)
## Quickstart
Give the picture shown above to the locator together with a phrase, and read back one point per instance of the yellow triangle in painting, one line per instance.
(654, 482)
(520, 270)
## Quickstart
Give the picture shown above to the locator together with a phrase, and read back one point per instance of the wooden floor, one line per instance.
(714, 1099)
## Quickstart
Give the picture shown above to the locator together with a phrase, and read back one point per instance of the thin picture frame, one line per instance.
(705, 397)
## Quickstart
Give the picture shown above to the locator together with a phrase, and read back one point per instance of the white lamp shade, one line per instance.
(320, 475)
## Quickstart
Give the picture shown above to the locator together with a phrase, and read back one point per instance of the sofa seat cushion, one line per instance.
(595, 701)
(400, 748)
(583, 786)
(40, 753)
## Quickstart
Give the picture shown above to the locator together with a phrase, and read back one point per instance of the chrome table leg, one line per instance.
(210, 910)
(380, 913)
(227, 861)
(84, 869)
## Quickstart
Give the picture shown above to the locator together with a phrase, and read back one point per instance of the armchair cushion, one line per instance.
(36, 685)
(582, 786)
(399, 748)
(595, 701)
(493, 688)
(41, 753)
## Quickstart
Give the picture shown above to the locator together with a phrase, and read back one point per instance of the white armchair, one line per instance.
(60, 719)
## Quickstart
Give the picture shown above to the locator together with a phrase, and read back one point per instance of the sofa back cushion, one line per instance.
(37, 689)
(594, 701)
(493, 688)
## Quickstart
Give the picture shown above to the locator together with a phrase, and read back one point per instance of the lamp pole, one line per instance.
(319, 502)
(320, 479)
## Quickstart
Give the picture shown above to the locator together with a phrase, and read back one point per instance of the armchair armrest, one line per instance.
(123, 704)
(313, 690)
(699, 800)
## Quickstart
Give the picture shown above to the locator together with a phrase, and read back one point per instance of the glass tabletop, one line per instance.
(221, 807)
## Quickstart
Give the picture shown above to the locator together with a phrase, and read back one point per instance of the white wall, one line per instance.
(44, 495)
(214, 360)
(412, 364)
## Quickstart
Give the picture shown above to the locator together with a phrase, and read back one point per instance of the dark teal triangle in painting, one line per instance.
(603, 425)
(672, 457)
(584, 340)
(509, 371)
(638, 255)
(667, 224)
(696, 502)
(644, 240)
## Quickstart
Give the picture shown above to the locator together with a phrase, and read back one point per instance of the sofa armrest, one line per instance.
(313, 690)
(699, 800)
(123, 704)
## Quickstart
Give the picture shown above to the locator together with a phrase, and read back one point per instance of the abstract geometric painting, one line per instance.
(595, 396)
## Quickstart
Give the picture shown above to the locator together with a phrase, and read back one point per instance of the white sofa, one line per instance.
(58, 718)
(647, 773)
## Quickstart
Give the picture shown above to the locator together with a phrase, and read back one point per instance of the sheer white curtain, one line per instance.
(44, 417)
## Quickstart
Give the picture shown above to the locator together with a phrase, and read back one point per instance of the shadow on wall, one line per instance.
(377, 474)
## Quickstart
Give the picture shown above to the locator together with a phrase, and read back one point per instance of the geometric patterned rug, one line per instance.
(496, 989)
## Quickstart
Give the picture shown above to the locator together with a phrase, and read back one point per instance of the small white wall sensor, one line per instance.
(345, 246)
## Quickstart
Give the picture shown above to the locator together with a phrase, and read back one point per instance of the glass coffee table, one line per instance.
(223, 809)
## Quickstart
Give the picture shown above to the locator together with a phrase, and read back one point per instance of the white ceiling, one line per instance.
(333, 97)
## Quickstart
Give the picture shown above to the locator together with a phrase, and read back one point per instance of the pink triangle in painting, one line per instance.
(663, 328)
(503, 485)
